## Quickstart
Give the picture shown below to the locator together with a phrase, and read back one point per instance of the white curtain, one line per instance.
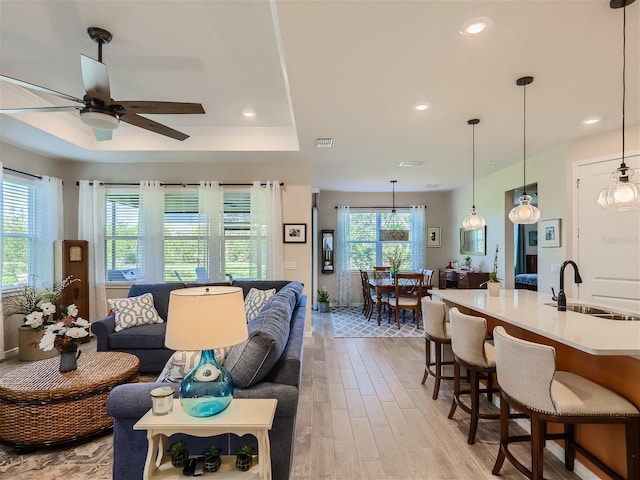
(266, 251)
(49, 226)
(1, 262)
(211, 206)
(343, 278)
(150, 231)
(91, 223)
(417, 236)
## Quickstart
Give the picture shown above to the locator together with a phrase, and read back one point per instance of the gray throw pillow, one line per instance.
(255, 300)
(134, 311)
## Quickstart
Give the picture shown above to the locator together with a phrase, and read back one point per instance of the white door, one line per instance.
(608, 242)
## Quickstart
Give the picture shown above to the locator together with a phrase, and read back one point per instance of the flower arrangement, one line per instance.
(493, 275)
(37, 305)
(66, 334)
(396, 258)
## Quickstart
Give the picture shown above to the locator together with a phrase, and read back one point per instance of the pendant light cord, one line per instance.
(624, 75)
(473, 166)
(524, 142)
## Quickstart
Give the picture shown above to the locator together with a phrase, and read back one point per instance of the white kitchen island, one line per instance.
(605, 351)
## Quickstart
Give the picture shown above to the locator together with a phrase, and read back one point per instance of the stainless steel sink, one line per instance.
(597, 312)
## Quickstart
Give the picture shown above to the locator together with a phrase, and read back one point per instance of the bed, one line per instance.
(528, 281)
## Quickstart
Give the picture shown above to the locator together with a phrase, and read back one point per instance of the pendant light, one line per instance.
(524, 213)
(623, 194)
(473, 220)
(394, 229)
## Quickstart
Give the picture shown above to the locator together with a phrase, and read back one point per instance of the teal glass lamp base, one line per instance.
(207, 389)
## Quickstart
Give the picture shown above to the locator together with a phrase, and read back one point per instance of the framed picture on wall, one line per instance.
(327, 251)
(550, 230)
(533, 238)
(433, 236)
(295, 233)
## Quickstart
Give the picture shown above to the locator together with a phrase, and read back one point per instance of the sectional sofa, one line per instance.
(267, 365)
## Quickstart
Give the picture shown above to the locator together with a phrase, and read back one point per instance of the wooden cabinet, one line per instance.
(450, 278)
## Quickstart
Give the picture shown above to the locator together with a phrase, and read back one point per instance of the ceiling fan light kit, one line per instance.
(473, 220)
(524, 213)
(623, 194)
(99, 110)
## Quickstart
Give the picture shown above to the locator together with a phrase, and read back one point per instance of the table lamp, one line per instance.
(204, 318)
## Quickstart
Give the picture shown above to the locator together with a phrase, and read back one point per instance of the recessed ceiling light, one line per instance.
(421, 107)
(591, 121)
(247, 112)
(475, 26)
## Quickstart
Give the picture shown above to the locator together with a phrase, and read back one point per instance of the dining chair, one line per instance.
(428, 275)
(369, 300)
(408, 294)
(381, 272)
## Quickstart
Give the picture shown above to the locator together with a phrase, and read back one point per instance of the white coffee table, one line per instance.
(243, 416)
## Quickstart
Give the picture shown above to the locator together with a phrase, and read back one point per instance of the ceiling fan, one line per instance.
(98, 110)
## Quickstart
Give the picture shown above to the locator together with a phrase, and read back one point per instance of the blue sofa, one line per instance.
(128, 403)
(147, 341)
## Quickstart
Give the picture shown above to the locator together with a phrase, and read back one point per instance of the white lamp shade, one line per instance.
(623, 194)
(473, 221)
(525, 213)
(204, 318)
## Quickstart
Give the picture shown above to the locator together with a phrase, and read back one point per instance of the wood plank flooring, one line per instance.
(363, 414)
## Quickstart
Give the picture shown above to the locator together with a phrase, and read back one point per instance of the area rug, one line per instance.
(350, 322)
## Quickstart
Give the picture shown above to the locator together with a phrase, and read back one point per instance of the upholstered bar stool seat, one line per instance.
(470, 350)
(438, 332)
(530, 383)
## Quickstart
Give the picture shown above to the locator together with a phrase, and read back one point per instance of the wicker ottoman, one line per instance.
(39, 406)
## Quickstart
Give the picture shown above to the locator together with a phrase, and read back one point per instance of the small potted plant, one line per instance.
(178, 453)
(323, 301)
(244, 457)
(212, 460)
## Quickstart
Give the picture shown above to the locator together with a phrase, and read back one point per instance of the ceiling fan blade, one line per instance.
(161, 107)
(41, 109)
(102, 135)
(156, 127)
(95, 79)
(38, 88)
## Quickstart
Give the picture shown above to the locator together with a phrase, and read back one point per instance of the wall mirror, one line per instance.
(473, 242)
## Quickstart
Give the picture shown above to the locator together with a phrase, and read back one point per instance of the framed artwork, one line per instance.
(533, 238)
(433, 236)
(550, 230)
(294, 233)
(327, 251)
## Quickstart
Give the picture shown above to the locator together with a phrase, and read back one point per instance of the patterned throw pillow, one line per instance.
(182, 362)
(134, 311)
(255, 300)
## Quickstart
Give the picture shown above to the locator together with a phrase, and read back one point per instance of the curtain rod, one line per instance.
(131, 184)
(376, 208)
(22, 173)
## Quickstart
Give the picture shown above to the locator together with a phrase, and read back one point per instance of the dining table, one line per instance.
(382, 287)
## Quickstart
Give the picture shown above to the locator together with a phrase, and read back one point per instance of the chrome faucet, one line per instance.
(562, 298)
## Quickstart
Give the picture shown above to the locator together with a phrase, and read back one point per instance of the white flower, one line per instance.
(48, 308)
(207, 373)
(72, 310)
(81, 322)
(47, 341)
(76, 332)
(34, 319)
(56, 328)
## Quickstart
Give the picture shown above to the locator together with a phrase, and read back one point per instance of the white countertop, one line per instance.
(527, 310)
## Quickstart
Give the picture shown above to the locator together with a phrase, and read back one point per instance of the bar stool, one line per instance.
(531, 384)
(470, 350)
(436, 330)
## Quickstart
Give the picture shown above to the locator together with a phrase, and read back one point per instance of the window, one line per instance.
(187, 254)
(365, 248)
(18, 231)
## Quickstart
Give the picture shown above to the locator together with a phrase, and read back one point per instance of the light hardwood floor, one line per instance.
(363, 414)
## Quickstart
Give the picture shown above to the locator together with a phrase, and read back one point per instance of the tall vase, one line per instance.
(69, 361)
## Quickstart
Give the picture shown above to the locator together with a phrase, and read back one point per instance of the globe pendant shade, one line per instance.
(473, 221)
(524, 213)
(622, 195)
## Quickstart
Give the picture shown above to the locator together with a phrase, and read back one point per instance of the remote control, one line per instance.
(199, 470)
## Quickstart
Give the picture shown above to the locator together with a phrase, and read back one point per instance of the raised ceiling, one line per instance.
(351, 70)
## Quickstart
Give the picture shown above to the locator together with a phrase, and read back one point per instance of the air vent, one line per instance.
(411, 164)
(324, 142)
